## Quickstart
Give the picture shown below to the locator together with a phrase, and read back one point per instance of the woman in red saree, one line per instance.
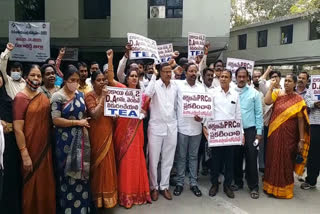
(288, 136)
(31, 113)
(133, 183)
(103, 165)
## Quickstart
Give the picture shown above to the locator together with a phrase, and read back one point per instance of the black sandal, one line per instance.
(196, 191)
(254, 194)
(178, 190)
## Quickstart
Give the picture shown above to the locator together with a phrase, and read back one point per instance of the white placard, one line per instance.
(315, 87)
(71, 54)
(143, 47)
(165, 52)
(31, 41)
(124, 102)
(197, 104)
(224, 133)
(196, 43)
(233, 64)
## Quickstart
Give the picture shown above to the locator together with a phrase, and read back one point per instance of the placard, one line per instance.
(143, 47)
(233, 64)
(224, 133)
(196, 43)
(315, 87)
(165, 52)
(71, 54)
(31, 41)
(197, 104)
(123, 102)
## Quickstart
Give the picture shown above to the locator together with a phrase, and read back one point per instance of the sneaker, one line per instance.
(307, 186)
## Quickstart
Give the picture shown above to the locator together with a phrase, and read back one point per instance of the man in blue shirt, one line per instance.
(252, 120)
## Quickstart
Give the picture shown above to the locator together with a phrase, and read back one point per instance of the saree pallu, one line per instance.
(39, 185)
(103, 174)
(73, 189)
(133, 183)
(282, 148)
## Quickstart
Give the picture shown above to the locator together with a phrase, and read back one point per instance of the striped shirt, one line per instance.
(314, 115)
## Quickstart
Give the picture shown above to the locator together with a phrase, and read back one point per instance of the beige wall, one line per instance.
(210, 17)
(63, 16)
(301, 46)
(129, 16)
(7, 13)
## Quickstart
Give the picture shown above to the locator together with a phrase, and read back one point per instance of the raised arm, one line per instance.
(263, 81)
(268, 98)
(203, 62)
(123, 62)
(58, 61)
(4, 61)
(150, 90)
(111, 80)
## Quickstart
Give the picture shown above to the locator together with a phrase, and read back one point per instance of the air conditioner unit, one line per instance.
(157, 12)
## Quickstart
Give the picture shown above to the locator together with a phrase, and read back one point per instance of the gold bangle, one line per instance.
(71, 122)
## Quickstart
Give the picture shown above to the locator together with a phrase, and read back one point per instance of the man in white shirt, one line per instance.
(189, 134)
(218, 68)
(162, 130)
(226, 106)
(13, 83)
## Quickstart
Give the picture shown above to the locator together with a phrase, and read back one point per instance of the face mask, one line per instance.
(256, 84)
(73, 86)
(33, 85)
(15, 75)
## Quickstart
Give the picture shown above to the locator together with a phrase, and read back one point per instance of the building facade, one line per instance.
(93, 26)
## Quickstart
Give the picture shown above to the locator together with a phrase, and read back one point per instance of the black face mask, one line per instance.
(256, 84)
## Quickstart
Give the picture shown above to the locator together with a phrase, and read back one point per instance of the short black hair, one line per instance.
(229, 71)
(204, 72)
(275, 72)
(162, 65)
(50, 58)
(241, 68)
(140, 62)
(190, 64)
(16, 65)
(45, 66)
(304, 72)
(93, 63)
(250, 78)
(83, 64)
(219, 60)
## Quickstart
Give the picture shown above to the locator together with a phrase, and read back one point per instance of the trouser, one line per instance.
(313, 162)
(222, 157)
(161, 147)
(261, 153)
(250, 152)
(202, 154)
(188, 146)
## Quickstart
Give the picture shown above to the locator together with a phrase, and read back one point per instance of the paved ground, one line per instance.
(187, 203)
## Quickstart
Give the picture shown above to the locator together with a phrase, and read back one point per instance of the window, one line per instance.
(29, 10)
(262, 38)
(286, 34)
(173, 7)
(242, 41)
(96, 9)
(314, 30)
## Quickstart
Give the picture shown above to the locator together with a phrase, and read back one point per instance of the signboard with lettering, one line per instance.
(123, 102)
(165, 52)
(315, 87)
(31, 41)
(143, 47)
(196, 43)
(197, 104)
(224, 133)
(233, 64)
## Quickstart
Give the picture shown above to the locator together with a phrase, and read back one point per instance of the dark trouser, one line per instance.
(222, 156)
(313, 165)
(250, 152)
(202, 153)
